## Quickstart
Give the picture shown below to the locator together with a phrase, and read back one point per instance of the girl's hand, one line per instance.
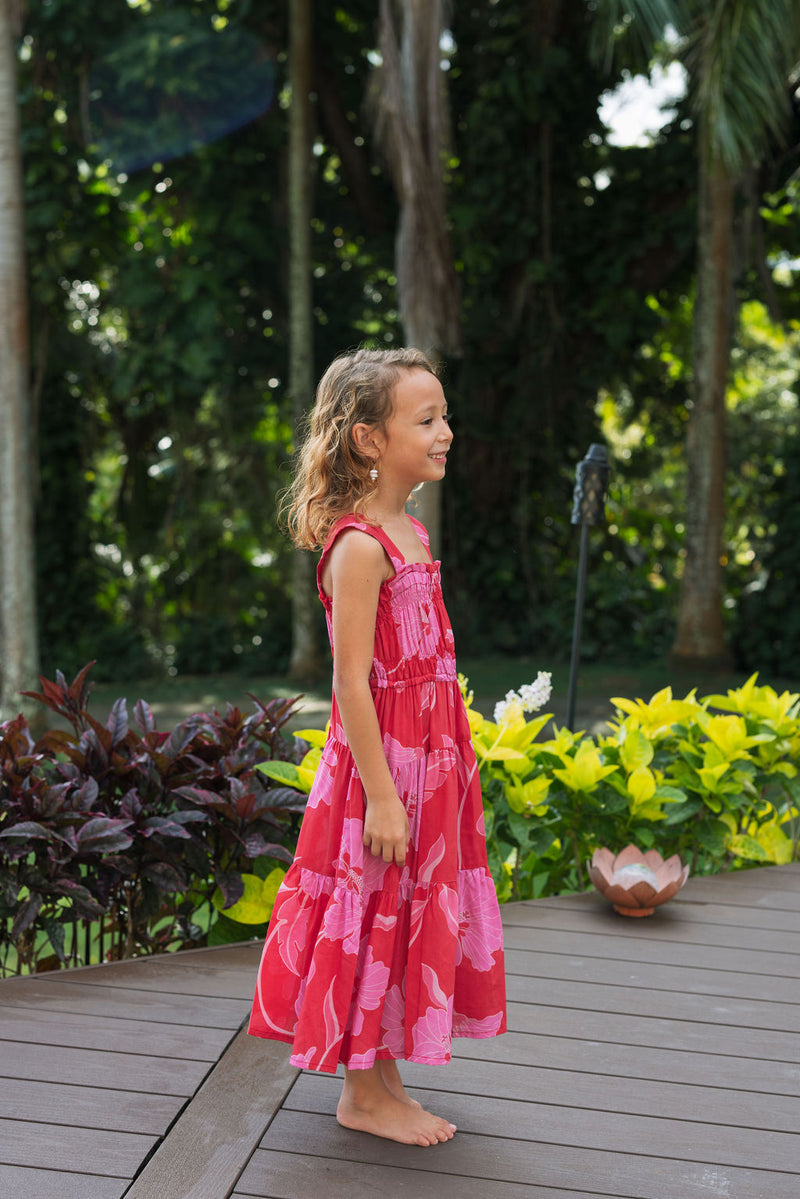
(386, 830)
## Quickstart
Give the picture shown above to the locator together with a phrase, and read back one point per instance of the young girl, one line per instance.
(385, 939)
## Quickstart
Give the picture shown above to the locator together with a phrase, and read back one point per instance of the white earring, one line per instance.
(373, 474)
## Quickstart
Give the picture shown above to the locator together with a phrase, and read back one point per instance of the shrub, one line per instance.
(711, 779)
(718, 788)
(135, 830)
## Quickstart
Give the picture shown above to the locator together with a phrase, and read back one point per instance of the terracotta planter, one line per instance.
(636, 882)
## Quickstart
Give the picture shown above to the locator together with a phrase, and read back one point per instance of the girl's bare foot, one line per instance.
(368, 1106)
(394, 1083)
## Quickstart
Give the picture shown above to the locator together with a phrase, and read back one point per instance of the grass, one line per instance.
(490, 678)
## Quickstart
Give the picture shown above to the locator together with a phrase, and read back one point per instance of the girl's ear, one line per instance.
(366, 439)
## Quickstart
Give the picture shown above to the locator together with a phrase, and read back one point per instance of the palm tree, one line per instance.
(412, 127)
(18, 641)
(739, 55)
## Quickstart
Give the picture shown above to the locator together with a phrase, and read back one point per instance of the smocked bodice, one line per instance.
(413, 637)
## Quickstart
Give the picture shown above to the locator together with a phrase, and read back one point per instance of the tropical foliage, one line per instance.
(115, 840)
(713, 779)
(159, 308)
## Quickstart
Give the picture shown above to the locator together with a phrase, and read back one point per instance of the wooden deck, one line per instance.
(651, 1059)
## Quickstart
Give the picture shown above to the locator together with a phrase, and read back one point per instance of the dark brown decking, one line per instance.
(650, 1059)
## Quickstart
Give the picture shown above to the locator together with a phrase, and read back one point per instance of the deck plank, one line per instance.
(88, 1107)
(645, 949)
(707, 1009)
(295, 1175)
(662, 927)
(614, 1091)
(697, 980)
(93, 1068)
(22, 1182)
(741, 891)
(649, 1059)
(69, 994)
(480, 1157)
(27, 1143)
(683, 913)
(237, 1101)
(160, 975)
(598, 1057)
(760, 877)
(598, 1128)
(651, 1031)
(110, 1033)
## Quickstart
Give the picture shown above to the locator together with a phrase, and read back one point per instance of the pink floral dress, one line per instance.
(365, 960)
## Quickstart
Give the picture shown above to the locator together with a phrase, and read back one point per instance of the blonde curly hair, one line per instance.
(332, 474)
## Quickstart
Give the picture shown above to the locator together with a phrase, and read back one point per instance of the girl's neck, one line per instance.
(386, 509)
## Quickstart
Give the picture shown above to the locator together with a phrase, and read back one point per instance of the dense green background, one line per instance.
(158, 257)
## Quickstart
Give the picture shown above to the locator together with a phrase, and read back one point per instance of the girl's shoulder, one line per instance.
(357, 523)
(349, 521)
(358, 546)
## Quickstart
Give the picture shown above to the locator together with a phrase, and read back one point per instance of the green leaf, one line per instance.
(227, 932)
(712, 835)
(281, 772)
(744, 846)
(779, 847)
(257, 901)
(314, 737)
(521, 828)
(636, 752)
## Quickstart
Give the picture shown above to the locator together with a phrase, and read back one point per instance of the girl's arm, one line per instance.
(356, 568)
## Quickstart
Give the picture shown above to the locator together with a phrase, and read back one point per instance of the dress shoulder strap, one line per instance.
(356, 522)
(422, 533)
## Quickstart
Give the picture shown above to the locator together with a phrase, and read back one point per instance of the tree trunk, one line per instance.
(412, 126)
(305, 662)
(700, 640)
(19, 653)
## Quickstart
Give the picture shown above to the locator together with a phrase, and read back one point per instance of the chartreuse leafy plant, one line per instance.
(712, 779)
(676, 775)
(299, 776)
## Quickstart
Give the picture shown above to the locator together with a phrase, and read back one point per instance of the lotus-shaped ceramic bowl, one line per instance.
(636, 882)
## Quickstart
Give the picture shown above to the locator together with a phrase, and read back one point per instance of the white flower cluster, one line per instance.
(529, 698)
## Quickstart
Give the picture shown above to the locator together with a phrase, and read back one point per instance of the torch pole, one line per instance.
(577, 626)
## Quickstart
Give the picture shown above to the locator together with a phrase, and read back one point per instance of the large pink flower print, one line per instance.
(371, 989)
(432, 1032)
(441, 763)
(393, 1021)
(322, 788)
(480, 926)
(418, 627)
(343, 920)
(361, 1061)
(397, 754)
(291, 934)
(431, 1036)
(469, 1026)
(304, 1061)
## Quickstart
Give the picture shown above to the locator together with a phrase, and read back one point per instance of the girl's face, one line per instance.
(413, 448)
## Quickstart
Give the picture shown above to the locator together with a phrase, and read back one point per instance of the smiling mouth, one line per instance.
(438, 457)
